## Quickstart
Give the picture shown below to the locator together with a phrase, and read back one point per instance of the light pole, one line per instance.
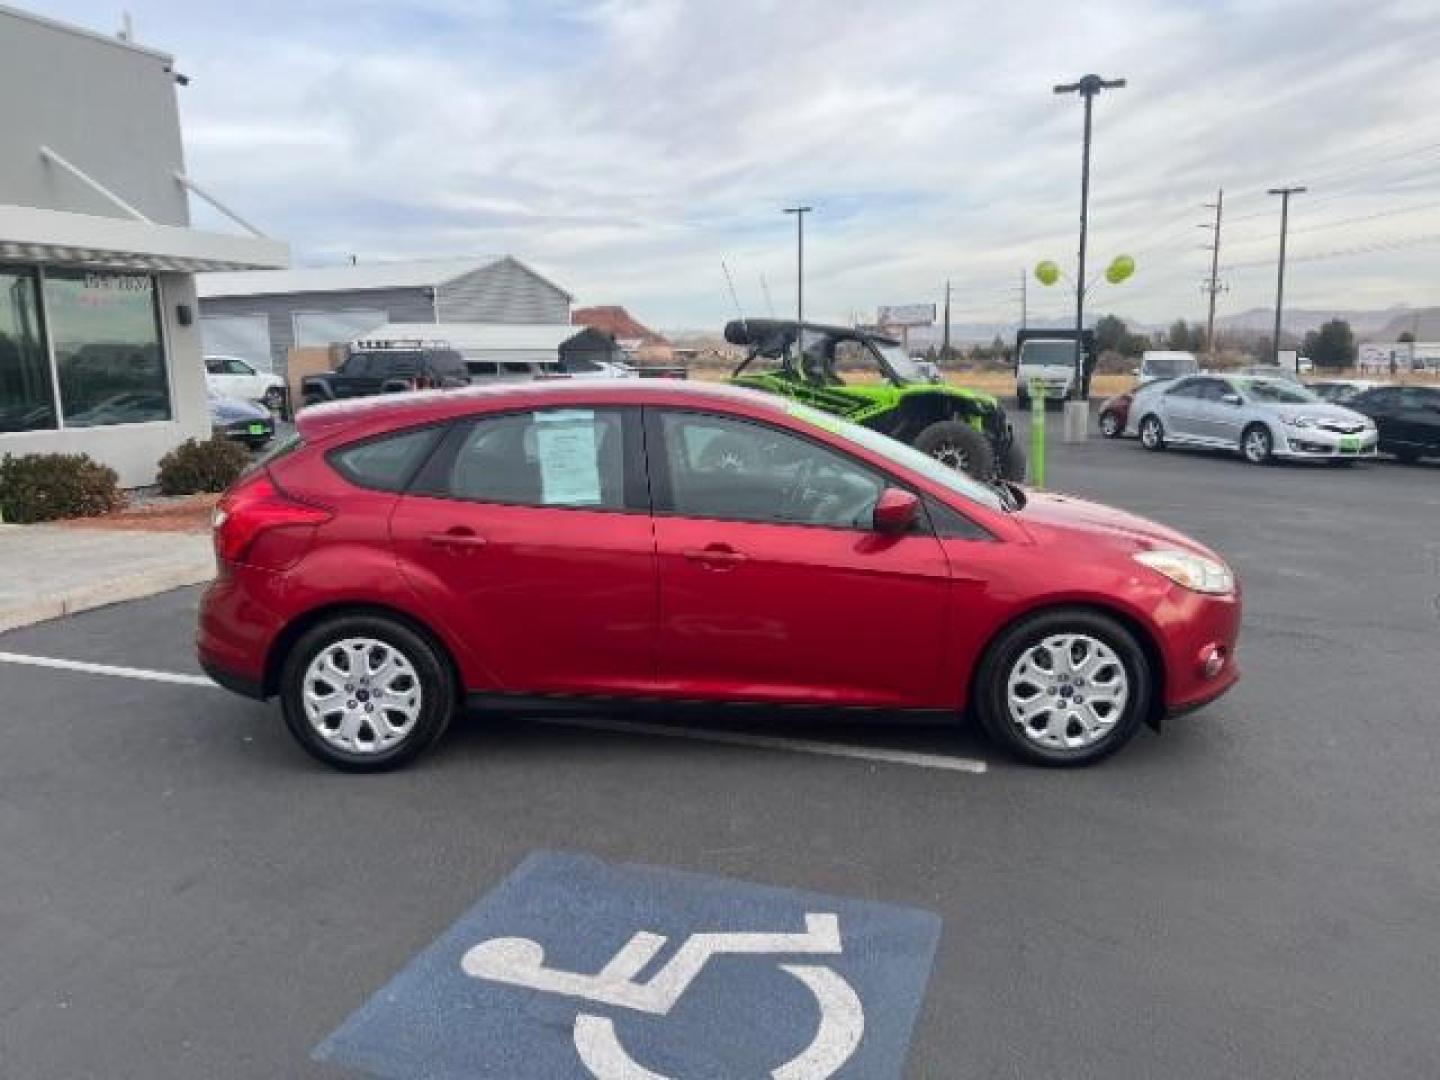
(799, 212)
(1087, 88)
(1284, 193)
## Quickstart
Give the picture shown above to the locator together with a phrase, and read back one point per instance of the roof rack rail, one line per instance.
(396, 344)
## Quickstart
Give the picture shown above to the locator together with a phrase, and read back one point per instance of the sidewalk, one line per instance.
(51, 570)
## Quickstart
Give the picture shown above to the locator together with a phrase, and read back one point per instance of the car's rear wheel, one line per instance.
(1110, 425)
(957, 444)
(1152, 433)
(1065, 687)
(1257, 444)
(365, 693)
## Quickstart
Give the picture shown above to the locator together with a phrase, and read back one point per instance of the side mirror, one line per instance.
(1231, 399)
(895, 511)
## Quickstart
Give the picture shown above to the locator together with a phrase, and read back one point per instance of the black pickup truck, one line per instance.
(387, 371)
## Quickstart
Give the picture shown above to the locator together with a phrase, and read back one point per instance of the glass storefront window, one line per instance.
(27, 400)
(106, 332)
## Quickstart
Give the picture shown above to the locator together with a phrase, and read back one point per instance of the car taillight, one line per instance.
(255, 507)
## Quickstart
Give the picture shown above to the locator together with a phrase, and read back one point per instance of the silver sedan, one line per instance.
(1261, 418)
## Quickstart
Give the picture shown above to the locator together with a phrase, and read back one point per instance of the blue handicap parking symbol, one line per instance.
(573, 967)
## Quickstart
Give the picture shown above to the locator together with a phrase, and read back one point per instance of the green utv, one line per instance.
(965, 429)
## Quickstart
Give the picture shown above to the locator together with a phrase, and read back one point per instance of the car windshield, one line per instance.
(900, 362)
(1170, 366)
(1275, 390)
(1051, 353)
(905, 456)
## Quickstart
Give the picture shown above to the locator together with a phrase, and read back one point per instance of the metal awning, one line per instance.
(60, 237)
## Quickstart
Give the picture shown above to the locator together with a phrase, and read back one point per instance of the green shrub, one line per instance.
(195, 466)
(44, 487)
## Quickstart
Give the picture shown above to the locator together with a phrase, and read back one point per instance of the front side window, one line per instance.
(27, 400)
(108, 350)
(238, 367)
(550, 457)
(740, 471)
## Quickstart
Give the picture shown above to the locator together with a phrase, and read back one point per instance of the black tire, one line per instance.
(1406, 457)
(274, 398)
(1252, 439)
(432, 670)
(957, 444)
(1013, 463)
(1110, 425)
(1022, 398)
(1152, 432)
(991, 690)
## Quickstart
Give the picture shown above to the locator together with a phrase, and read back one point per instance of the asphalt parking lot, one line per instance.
(1255, 892)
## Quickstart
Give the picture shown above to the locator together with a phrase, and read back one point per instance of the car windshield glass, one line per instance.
(905, 456)
(906, 369)
(1275, 390)
(1048, 352)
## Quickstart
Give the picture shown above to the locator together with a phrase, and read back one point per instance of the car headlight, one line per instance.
(1299, 421)
(1194, 572)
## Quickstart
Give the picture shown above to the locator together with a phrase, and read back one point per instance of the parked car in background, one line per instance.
(1261, 418)
(231, 377)
(1140, 397)
(1166, 364)
(1340, 391)
(405, 558)
(1114, 416)
(1408, 419)
(387, 367)
(241, 420)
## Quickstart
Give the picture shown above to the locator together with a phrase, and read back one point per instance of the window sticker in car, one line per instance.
(566, 442)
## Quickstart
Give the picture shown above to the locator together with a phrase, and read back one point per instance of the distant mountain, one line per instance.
(1382, 325)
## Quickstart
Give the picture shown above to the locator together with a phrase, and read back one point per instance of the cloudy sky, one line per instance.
(627, 147)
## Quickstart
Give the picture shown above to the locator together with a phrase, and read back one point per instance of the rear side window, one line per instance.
(386, 463)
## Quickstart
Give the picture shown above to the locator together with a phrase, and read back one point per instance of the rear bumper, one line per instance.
(235, 633)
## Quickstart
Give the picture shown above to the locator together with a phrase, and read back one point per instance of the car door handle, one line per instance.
(460, 536)
(715, 557)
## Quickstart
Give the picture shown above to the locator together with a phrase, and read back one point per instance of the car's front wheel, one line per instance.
(365, 693)
(274, 399)
(1257, 444)
(1065, 687)
(1152, 433)
(957, 444)
(1110, 425)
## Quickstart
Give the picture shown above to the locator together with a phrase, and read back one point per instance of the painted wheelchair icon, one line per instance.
(521, 962)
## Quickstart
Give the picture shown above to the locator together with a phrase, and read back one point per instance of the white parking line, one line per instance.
(623, 727)
(771, 742)
(106, 669)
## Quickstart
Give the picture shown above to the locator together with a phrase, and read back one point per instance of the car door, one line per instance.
(359, 375)
(1224, 411)
(528, 534)
(1181, 410)
(773, 585)
(1384, 407)
(1418, 421)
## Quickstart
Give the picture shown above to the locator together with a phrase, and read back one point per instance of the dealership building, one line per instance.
(100, 347)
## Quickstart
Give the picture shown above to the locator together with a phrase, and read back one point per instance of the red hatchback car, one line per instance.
(405, 556)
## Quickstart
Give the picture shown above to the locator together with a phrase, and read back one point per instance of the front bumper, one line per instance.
(1198, 627)
(1322, 445)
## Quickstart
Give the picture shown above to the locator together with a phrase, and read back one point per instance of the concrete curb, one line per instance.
(115, 591)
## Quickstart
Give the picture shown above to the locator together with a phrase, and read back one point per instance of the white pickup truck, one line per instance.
(1047, 358)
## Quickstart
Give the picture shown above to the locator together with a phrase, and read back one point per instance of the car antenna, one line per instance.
(734, 297)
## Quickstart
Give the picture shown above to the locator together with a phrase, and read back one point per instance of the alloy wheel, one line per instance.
(1067, 692)
(1257, 446)
(951, 454)
(361, 695)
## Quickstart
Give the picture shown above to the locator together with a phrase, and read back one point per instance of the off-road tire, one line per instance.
(957, 444)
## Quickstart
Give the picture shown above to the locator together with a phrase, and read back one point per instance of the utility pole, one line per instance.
(1076, 420)
(1284, 194)
(1213, 286)
(799, 212)
(1024, 298)
(945, 339)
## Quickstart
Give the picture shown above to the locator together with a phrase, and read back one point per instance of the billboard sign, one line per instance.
(906, 315)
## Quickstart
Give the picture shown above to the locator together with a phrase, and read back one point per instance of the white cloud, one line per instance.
(627, 147)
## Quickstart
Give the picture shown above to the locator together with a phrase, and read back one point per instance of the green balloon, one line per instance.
(1119, 269)
(1047, 273)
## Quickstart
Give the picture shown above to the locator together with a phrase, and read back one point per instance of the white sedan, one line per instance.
(229, 376)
